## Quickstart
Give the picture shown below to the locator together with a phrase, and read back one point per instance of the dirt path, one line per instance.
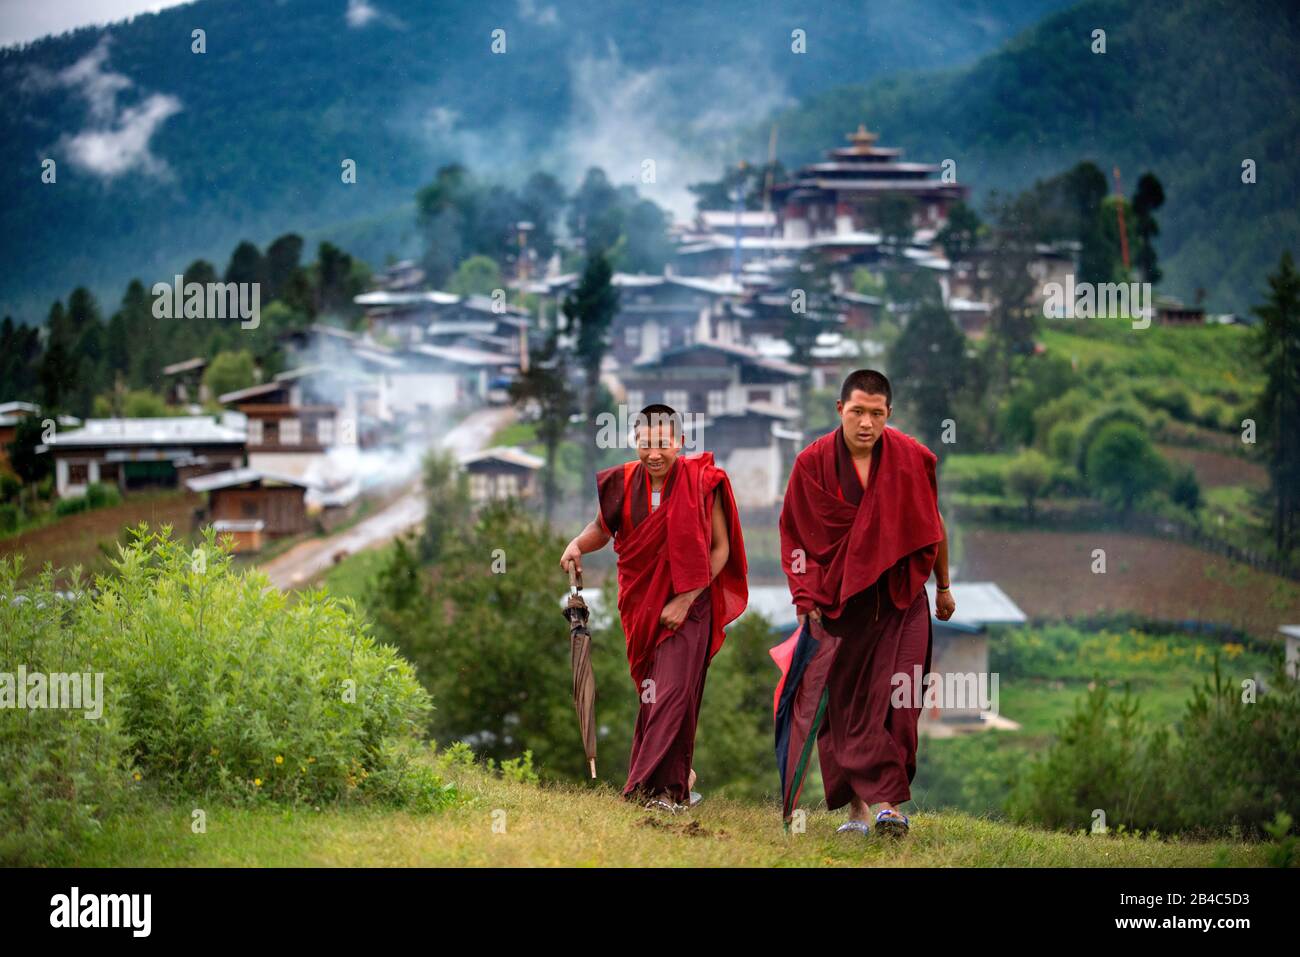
(304, 562)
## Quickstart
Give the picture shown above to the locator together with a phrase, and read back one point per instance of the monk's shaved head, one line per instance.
(869, 381)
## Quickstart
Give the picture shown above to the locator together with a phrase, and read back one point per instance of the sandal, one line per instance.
(891, 822)
(659, 804)
(849, 826)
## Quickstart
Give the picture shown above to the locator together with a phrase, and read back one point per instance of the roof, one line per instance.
(748, 218)
(8, 408)
(512, 455)
(740, 352)
(978, 604)
(197, 429)
(234, 477)
(384, 297)
(461, 355)
(252, 391)
(189, 365)
(1291, 631)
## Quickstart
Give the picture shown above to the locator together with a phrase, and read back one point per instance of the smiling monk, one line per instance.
(860, 534)
(681, 580)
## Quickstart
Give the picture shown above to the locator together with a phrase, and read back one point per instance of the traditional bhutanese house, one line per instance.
(971, 317)
(1292, 635)
(755, 445)
(713, 378)
(443, 377)
(185, 382)
(959, 656)
(143, 453)
(285, 434)
(971, 279)
(839, 196)
(403, 314)
(1172, 312)
(501, 472)
(251, 504)
(318, 344)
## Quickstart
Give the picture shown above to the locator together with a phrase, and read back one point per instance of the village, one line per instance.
(349, 419)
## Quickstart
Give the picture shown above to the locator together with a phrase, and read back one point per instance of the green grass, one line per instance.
(566, 825)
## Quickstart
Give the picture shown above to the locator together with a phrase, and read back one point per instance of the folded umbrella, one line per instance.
(584, 683)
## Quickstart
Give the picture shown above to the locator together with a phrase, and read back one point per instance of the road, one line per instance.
(305, 561)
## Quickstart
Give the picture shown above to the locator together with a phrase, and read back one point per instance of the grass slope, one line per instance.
(564, 825)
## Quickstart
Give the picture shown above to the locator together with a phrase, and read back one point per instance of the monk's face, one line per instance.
(863, 417)
(657, 448)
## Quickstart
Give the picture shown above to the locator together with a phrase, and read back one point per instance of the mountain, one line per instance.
(164, 154)
(1188, 91)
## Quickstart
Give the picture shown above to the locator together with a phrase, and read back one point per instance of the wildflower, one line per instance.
(257, 782)
(136, 775)
(279, 759)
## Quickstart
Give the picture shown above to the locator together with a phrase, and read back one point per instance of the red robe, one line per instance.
(862, 556)
(665, 551)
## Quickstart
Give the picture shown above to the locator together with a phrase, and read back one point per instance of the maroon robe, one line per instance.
(664, 552)
(862, 556)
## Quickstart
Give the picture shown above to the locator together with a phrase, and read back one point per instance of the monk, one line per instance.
(681, 580)
(860, 535)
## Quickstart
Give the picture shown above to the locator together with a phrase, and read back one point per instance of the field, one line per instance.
(1048, 574)
(77, 539)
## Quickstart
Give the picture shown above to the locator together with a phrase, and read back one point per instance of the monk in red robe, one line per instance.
(860, 535)
(681, 580)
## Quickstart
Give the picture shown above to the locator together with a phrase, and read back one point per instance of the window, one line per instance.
(248, 508)
(760, 395)
(254, 431)
(325, 431)
(632, 336)
(290, 432)
(677, 398)
(635, 400)
(478, 486)
(507, 486)
(716, 397)
(78, 473)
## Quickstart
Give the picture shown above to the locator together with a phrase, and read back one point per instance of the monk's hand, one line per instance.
(571, 560)
(815, 613)
(674, 612)
(944, 606)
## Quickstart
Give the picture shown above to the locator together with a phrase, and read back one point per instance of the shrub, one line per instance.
(99, 495)
(8, 518)
(71, 506)
(232, 690)
(60, 772)
(1029, 476)
(10, 486)
(1123, 465)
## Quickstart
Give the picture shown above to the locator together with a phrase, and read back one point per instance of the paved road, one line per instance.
(307, 560)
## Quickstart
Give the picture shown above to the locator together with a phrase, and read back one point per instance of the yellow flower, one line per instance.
(257, 782)
(136, 775)
(215, 752)
(279, 759)
(311, 760)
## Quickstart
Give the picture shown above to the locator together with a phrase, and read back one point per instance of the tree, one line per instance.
(27, 463)
(446, 491)
(545, 387)
(1029, 475)
(1149, 197)
(283, 256)
(928, 365)
(246, 265)
(960, 233)
(1123, 464)
(591, 309)
(1277, 346)
(476, 275)
(228, 372)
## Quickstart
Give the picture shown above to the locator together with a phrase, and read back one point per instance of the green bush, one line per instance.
(233, 691)
(99, 495)
(215, 686)
(975, 474)
(10, 486)
(71, 506)
(8, 518)
(60, 772)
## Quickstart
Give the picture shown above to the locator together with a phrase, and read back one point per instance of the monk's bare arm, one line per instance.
(944, 605)
(591, 539)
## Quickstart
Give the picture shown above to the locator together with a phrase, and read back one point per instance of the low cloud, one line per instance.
(116, 138)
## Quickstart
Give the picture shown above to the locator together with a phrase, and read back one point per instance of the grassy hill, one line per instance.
(565, 825)
(1186, 90)
(165, 155)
